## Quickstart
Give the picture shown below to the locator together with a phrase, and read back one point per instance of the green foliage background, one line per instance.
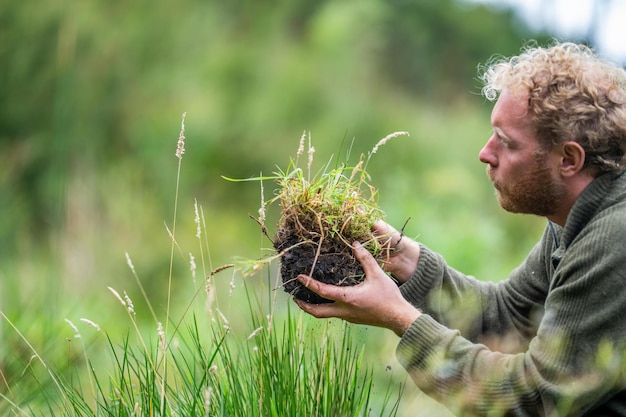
(91, 97)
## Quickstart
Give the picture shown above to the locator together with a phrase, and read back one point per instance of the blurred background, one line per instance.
(91, 98)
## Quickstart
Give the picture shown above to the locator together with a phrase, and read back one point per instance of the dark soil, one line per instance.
(335, 264)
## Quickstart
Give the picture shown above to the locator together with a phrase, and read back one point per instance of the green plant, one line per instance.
(321, 216)
(290, 372)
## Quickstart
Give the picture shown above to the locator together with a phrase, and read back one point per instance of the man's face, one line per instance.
(524, 176)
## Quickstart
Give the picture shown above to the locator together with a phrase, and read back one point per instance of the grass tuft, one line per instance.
(321, 216)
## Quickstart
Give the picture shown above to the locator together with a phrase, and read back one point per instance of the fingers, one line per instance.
(320, 311)
(384, 231)
(340, 295)
(328, 291)
(380, 227)
(387, 237)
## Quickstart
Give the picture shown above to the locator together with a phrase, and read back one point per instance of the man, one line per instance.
(549, 340)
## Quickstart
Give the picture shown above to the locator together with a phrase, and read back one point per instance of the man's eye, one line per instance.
(505, 142)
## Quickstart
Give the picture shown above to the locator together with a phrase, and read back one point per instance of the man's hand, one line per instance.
(400, 252)
(376, 301)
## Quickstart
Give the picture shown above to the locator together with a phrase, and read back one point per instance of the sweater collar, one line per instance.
(594, 198)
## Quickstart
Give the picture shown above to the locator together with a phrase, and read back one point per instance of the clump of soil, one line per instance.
(320, 220)
(305, 250)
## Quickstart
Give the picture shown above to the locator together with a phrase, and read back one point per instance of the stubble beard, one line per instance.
(535, 192)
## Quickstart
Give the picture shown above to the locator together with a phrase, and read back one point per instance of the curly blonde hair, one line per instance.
(574, 95)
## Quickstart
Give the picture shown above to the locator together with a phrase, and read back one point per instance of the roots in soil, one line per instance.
(330, 261)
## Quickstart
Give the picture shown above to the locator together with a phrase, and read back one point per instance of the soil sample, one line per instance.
(321, 217)
(320, 220)
(307, 251)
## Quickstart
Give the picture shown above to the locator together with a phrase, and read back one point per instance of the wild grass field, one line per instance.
(206, 338)
(196, 359)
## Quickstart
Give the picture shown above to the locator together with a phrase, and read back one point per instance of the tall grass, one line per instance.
(198, 364)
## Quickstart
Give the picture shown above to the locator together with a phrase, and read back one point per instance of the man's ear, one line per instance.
(572, 158)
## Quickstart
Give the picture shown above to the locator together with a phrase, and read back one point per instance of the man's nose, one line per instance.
(487, 154)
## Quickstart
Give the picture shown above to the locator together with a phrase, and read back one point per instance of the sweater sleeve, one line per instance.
(559, 371)
(482, 310)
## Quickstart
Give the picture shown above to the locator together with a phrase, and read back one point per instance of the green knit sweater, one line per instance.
(549, 340)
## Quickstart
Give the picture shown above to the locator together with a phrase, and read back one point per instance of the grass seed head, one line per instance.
(180, 146)
(90, 323)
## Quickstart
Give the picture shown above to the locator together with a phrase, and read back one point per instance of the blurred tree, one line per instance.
(432, 47)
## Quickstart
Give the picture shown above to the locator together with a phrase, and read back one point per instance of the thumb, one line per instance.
(366, 259)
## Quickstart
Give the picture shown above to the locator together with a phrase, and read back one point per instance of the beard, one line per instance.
(535, 191)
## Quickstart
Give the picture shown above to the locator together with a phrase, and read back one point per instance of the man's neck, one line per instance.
(575, 186)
